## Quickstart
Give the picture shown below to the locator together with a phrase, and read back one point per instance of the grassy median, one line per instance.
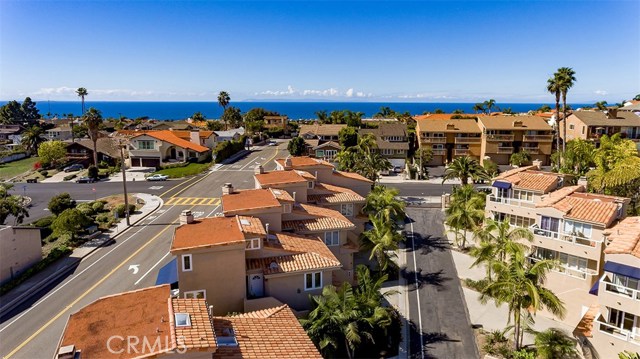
(188, 170)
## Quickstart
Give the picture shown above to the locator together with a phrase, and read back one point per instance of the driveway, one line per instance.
(59, 177)
(440, 326)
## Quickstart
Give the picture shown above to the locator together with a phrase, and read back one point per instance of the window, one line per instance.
(183, 320)
(523, 195)
(319, 153)
(332, 238)
(583, 128)
(196, 294)
(330, 153)
(312, 280)
(621, 320)
(577, 229)
(310, 184)
(286, 208)
(145, 144)
(518, 221)
(386, 151)
(572, 126)
(626, 282)
(187, 264)
(346, 209)
(253, 243)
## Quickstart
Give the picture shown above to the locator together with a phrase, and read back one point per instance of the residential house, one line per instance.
(392, 140)
(276, 122)
(149, 323)
(20, 248)
(60, 133)
(156, 148)
(173, 125)
(81, 151)
(238, 262)
(504, 135)
(591, 125)
(322, 141)
(449, 138)
(10, 133)
(230, 135)
(204, 138)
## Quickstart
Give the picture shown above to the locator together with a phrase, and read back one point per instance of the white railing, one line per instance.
(566, 237)
(531, 150)
(572, 272)
(619, 333)
(621, 290)
(510, 201)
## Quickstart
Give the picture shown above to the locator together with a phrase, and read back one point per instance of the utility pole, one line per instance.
(124, 182)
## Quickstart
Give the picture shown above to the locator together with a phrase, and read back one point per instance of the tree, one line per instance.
(348, 137)
(458, 111)
(423, 156)
(82, 92)
(353, 119)
(579, 157)
(32, 137)
(60, 203)
(93, 120)
(232, 116)
(479, 107)
(601, 105)
(93, 172)
(51, 152)
(554, 87)
(438, 111)
(566, 79)
(627, 354)
(11, 205)
(554, 343)
(69, 222)
(297, 146)
(347, 159)
(381, 240)
(198, 117)
(544, 108)
(520, 158)
(382, 202)
(464, 168)
(490, 168)
(507, 111)
(490, 104)
(10, 113)
(636, 98)
(214, 125)
(465, 212)
(385, 112)
(322, 116)
(254, 119)
(29, 111)
(80, 131)
(223, 101)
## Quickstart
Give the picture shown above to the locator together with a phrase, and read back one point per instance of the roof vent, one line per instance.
(258, 170)
(67, 352)
(451, 126)
(288, 163)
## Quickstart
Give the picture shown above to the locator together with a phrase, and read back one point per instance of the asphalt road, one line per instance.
(416, 189)
(440, 325)
(33, 330)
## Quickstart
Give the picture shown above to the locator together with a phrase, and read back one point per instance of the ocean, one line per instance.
(295, 110)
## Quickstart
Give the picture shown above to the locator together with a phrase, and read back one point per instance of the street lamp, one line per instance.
(122, 145)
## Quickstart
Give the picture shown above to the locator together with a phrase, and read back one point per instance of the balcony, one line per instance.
(462, 140)
(622, 334)
(439, 152)
(572, 272)
(505, 150)
(461, 151)
(510, 201)
(620, 290)
(500, 138)
(433, 139)
(532, 150)
(537, 138)
(565, 237)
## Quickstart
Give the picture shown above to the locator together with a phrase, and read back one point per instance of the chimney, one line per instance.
(287, 163)
(67, 352)
(537, 164)
(451, 126)
(258, 170)
(227, 188)
(194, 137)
(582, 181)
(294, 196)
(517, 123)
(186, 217)
(612, 113)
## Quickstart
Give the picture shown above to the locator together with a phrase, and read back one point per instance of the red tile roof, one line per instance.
(279, 177)
(304, 161)
(624, 237)
(309, 218)
(528, 179)
(170, 137)
(199, 336)
(352, 175)
(207, 232)
(323, 193)
(249, 199)
(590, 210)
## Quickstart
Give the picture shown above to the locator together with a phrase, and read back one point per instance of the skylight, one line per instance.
(244, 222)
(183, 320)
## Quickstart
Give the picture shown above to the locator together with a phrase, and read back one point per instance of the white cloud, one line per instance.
(349, 93)
(601, 92)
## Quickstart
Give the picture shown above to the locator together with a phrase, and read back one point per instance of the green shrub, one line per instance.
(93, 172)
(61, 202)
(103, 164)
(44, 221)
(174, 165)
(119, 210)
(227, 149)
(86, 209)
(98, 206)
(69, 177)
(44, 173)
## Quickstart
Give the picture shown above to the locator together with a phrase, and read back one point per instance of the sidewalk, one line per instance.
(59, 268)
(400, 301)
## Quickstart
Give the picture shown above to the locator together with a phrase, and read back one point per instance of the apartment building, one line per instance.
(238, 264)
(504, 135)
(392, 140)
(449, 138)
(149, 323)
(591, 125)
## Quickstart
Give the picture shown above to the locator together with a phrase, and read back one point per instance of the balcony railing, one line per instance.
(434, 139)
(468, 139)
(439, 152)
(619, 333)
(506, 138)
(531, 150)
(572, 272)
(537, 138)
(461, 151)
(507, 150)
(621, 290)
(510, 201)
(565, 237)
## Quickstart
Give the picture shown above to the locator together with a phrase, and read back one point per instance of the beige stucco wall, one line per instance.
(20, 248)
(272, 216)
(289, 289)
(221, 272)
(577, 131)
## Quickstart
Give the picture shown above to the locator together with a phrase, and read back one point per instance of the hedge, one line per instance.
(69, 177)
(227, 149)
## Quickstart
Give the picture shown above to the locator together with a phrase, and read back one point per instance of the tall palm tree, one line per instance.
(223, 101)
(465, 212)
(464, 168)
(82, 92)
(32, 137)
(520, 284)
(567, 80)
(554, 87)
(478, 107)
(93, 120)
(489, 104)
(382, 202)
(601, 105)
(382, 240)
(554, 343)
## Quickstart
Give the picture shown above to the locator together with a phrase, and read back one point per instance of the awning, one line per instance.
(168, 274)
(625, 270)
(596, 285)
(500, 184)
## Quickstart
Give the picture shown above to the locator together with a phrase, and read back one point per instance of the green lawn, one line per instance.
(188, 170)
(15, 168)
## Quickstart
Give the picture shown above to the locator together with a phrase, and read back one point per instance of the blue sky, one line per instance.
(420, 51)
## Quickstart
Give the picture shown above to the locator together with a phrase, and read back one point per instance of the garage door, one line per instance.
(150, 162)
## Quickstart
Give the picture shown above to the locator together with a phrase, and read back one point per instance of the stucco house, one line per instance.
(157, 148)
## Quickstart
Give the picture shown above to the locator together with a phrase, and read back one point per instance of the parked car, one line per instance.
(157, 177)
(273, 143)
(74, 167)
(85, 180)
(398, 169)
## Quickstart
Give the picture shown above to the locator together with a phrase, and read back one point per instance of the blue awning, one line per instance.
(168, 274)
(501, 184)
(594, 289)
(625, 270)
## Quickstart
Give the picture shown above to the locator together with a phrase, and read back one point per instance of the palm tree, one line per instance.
(520, 284)
(554, 343)
(382, 240)
(464, 168)
(223, 101)
(567, 80)
(554, 87)
(32, 137)
(93, 120)
(465, 212)
(489, 104)
(322, 116)
(458, 112)
(601, 105)
(382, 202)
(479, 107)
(627, 354)
(82, 92)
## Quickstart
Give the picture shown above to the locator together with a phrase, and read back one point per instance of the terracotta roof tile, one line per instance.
(207, 232)
(587, 209)
(168, 136)
(438, 125)
(279, 177)
(624, 237)
(585, 326)
(558, 195)
(523, 178)
(271, 335)
(186, 135)
(352, 175)
(199, 335)
(300, 162)
(306, 175)
(507, 123)
(315, 219)
(281, 195)
(251, 226)
(249, 199)
(324, 193)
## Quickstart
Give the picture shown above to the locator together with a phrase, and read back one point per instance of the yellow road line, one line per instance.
(271, 159)
(176, 187)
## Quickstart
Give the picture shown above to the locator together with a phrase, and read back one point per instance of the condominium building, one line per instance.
(449, 139)
(591, 125)
(504, 135)
(149, 323)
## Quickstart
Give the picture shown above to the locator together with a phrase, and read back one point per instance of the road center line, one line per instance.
(150, 269)
(415, 272)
